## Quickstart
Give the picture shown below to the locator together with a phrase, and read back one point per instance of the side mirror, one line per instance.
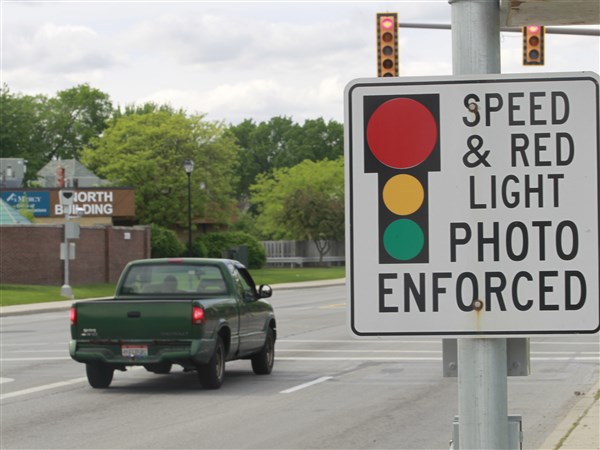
(265, 291)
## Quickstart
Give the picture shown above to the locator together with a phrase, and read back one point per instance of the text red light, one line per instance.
(533, 29)
(197, 315)
(73, 315)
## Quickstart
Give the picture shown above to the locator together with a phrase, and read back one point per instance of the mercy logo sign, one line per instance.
(472, 205)
(38, 201)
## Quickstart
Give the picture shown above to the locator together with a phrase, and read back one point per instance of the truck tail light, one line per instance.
(197, 315)
(73, 315)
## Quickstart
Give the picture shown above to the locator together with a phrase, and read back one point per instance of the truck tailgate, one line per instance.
(134, 320)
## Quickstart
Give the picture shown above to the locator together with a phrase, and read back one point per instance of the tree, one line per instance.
(38, 128)
(305, 202)
(282, 143)
(22, 132)
(74, 117)
(146, 152)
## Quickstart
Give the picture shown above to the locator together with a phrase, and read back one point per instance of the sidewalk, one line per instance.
(579, 430)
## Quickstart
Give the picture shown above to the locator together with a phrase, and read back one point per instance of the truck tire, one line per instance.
(99, 375)
(212, 374)
(262, 362)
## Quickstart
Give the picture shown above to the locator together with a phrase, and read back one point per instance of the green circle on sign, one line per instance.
(403, 239)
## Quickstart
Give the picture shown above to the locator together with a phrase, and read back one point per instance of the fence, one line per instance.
(301, 253)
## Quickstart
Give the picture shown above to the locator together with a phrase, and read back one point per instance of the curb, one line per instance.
(65, 305)
(579, 429)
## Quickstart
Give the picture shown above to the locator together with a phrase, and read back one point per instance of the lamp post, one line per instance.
(188, 166)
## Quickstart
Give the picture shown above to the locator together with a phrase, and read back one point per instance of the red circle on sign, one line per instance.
(401, 133)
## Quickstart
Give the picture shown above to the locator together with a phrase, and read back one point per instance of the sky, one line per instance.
(236, 60)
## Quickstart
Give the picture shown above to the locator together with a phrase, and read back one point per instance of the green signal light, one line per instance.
(403, 239)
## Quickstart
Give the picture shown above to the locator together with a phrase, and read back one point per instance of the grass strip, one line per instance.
(14, 294)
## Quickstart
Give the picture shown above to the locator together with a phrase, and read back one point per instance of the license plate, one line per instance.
(134, 351)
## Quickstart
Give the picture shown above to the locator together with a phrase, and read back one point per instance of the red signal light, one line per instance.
(387, 23)
(387, 44)
(533, 45)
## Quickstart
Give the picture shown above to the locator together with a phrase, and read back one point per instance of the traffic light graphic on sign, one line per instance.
(387, 45)
(402, 147)
(533, 45)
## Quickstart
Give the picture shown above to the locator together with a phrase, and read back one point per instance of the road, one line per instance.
(327, 391)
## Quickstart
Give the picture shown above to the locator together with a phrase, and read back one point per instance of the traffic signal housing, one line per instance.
(387, 44)
(533, 45)
(402, 148)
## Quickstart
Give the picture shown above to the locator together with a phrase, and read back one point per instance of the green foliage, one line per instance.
(24, 210)
(282, 143)
(22, 134)
(164, 243)
(199, 249)
(75, 116)
(146, 151)
(302, 202)
(38, 128)
(217, 244)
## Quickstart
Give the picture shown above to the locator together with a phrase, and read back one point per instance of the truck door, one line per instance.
(252, 318)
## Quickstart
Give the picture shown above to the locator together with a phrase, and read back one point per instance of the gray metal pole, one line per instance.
(66, 290)
(482, 374)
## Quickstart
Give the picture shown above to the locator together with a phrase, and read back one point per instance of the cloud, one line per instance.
(225, 39)
(259, 99)
(60, 48)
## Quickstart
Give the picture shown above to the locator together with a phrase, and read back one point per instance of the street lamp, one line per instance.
(188, 166)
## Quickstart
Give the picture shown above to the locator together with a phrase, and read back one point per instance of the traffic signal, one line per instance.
(387, 44)
(533, 45)
(402, 137)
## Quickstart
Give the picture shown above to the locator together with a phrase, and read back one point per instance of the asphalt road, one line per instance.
(327, 391)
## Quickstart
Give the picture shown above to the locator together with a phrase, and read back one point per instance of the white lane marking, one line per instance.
(305, 385)
(439, 352)
(5, 380)
(312, 350)
(44, 358)
(415, 341)
(61, 350)
(44, 387)
(356, 341)
(417, 358)
(357, 358)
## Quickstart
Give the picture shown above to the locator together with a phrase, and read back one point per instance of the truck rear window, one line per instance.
(174, 280)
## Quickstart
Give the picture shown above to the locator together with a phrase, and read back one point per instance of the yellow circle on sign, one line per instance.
(403, 194)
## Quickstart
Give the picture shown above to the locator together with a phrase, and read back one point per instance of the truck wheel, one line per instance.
(99, 375)
(212, 374)
(262, 362)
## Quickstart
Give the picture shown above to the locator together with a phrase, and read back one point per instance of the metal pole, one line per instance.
(66, 290)
(189, 215)
(482, 374)
(548, 30)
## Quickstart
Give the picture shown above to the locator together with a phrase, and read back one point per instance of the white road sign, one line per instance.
(472, 205)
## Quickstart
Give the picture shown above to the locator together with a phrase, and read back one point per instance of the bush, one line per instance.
(164, 243)
(218, 244)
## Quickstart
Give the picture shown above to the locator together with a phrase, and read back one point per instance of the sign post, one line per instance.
(482, 373)
(66, 197)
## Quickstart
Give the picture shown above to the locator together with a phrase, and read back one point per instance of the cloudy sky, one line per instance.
(235, 59)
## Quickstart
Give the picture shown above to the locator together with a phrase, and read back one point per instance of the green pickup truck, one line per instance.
(197, 313)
